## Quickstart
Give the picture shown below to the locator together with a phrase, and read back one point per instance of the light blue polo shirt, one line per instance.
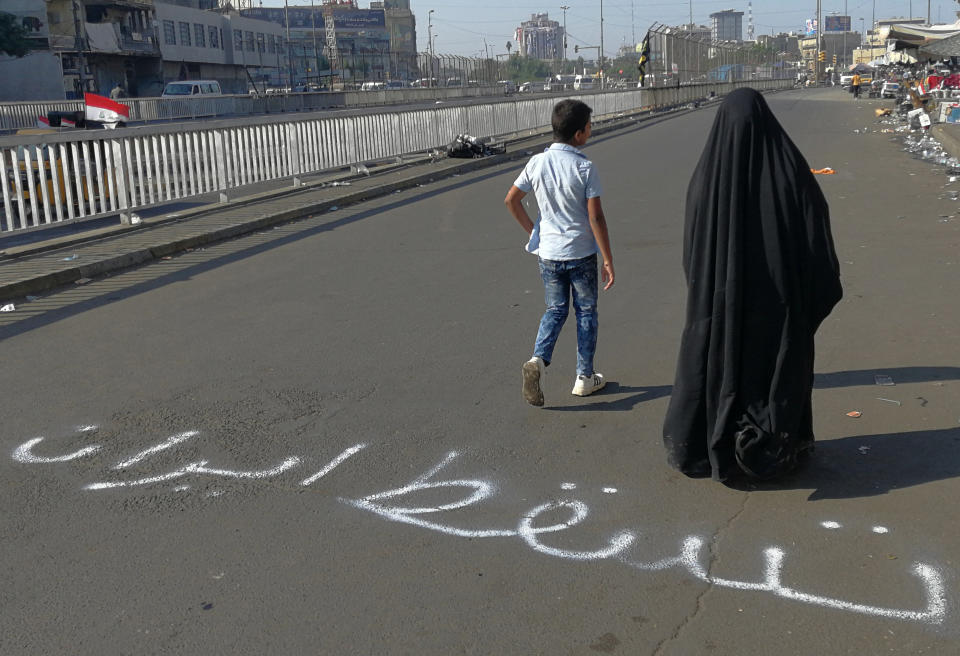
(562, 178)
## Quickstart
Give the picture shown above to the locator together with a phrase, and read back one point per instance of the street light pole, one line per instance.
(430, 43)
(564, 8)
(602, 76)
(286, 19)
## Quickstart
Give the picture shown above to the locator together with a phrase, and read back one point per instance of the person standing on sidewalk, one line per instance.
(569, 232)
(855, 85)
(762, 274)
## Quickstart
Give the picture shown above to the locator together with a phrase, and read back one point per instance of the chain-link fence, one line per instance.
(678, 56)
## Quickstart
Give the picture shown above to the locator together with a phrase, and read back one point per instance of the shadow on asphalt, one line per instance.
(598, 403)
(900, 375)
(110, 293)
(871, 465)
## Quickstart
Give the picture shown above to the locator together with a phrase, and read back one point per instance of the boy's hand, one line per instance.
(606, 275)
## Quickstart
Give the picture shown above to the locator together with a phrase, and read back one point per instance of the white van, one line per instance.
(583, 83)
(191, 88)
(373, 86)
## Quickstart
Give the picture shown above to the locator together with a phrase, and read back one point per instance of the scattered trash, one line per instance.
(334, 208)
(883, 112)
(33, 298)
(824, 171)
(362, 168)
(135, 219)
(70, 258)
(880, 398)
(9, 307)
(166, 257)
(863, 449)
(82, 281)
(880, 379)
(854, 414)
(338, 183)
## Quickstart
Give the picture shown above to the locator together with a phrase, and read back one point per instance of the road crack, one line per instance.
(699, 601)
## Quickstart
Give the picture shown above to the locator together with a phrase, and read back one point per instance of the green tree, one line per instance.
(13, 38)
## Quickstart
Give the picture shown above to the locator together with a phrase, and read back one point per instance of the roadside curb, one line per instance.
(36, 283)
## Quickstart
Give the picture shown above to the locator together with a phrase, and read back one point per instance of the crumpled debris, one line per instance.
(466, 146)
(855, 414)
(863, 449)
(69, 258)
(824, 171)
(881, 379)
(9, 307)
(338, 183)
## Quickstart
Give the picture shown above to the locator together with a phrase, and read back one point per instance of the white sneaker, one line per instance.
(532, 370)
(587, 385)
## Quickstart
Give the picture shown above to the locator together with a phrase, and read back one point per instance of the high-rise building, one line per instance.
(726, 25)
(540, 37)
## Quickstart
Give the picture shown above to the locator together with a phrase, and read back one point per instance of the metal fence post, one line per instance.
(120, 174)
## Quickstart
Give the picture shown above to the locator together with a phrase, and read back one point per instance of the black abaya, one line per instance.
(762, 275)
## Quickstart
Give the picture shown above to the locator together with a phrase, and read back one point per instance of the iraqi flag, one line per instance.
(43, 122)
(103, 110)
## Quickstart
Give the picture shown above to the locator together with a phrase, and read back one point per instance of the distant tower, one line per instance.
(749, 21)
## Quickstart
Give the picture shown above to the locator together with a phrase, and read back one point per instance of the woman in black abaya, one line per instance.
(761, 276)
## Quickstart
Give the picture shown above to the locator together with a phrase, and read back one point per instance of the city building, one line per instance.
(840, 45)
(783, 43)
(378, 43)
(36, 76)
(694, 31)
(104, 43)
(540, 38)
(726, 25)
(195, 44)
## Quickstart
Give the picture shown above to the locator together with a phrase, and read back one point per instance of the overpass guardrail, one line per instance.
(76, 175)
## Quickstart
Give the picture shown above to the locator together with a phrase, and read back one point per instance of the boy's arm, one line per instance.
(515, 206)
(598, 223)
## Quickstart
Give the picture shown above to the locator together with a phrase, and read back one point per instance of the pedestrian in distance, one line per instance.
(761, 275)
(855, 85)
(117, 92)
(569, 232)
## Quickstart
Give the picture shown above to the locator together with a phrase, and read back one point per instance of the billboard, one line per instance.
(811, 26)
(305, 18)
(836, 23)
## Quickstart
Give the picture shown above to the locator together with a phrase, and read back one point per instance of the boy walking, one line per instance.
(566, 239)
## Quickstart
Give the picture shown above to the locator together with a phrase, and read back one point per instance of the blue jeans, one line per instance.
(560, 278)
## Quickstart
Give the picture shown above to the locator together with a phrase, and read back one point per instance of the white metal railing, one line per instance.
(18, 115)
(85, 174)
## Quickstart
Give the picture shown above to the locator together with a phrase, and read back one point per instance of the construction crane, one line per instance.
(330, 30)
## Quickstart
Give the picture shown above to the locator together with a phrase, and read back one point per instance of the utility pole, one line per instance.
(79, 45)
(316, 53)
(845, 33)
(603, 77)
(564, 8)
(286, 19)
(819, 39)
(430, 43)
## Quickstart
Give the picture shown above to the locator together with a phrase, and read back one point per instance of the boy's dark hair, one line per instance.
(569, 116)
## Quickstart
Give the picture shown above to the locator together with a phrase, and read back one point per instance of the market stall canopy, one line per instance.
(909, 35)
(948, 47)
(861, 68)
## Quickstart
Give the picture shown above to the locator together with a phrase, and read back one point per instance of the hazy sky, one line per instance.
(460, 26)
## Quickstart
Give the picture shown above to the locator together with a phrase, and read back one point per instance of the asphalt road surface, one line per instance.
(312, 440)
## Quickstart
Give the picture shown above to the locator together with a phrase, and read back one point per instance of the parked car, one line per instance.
(890, 90)
(191, 88)
(846, 79)
(509, 86)
(373, 86)
(525, 87)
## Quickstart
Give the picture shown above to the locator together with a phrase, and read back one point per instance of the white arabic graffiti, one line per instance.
(617, 546)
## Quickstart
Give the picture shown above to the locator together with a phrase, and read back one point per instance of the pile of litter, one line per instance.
(468, 147)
